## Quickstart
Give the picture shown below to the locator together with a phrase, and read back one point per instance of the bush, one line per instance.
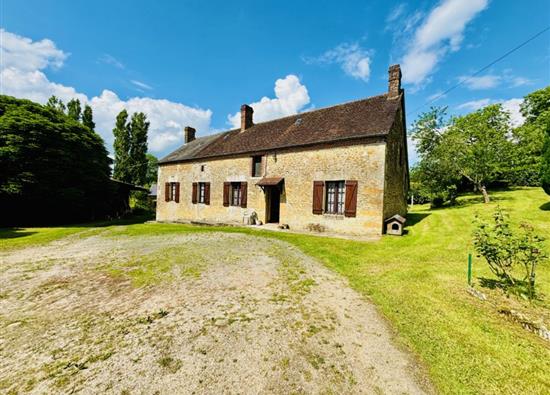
(507, 251)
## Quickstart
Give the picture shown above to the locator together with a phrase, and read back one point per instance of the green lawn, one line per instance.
(418, 283)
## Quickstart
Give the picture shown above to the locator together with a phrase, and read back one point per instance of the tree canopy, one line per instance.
(52, 168)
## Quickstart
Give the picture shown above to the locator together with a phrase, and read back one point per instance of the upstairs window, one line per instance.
(257, 166)
(335, 197)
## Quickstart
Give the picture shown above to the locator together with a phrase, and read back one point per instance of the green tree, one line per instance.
(88, 118)
(74, 109)
(55, 103)
(545, 167)
(122, 148)
(139, 128)
(528, 140)
(152, 170)
(476, 146)
(434, 177)
(52, 169)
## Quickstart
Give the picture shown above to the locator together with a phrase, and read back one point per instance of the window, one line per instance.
(235, 193)
(335, 199)
(202, 192)
(172, 192)
(202, 167)
(257, 166)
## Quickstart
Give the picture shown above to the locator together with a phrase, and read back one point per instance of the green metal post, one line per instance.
(469, 269)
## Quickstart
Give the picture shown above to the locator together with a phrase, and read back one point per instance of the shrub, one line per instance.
(507, 251)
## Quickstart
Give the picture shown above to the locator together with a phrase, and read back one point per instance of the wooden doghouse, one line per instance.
(395, 225)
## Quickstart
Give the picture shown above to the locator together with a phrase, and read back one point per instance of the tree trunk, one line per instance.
(485, 194)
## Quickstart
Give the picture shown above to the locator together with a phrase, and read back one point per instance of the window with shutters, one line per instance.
(335, 197)
(257, 166)
(235, 193)
(172, 191)
(202, 192)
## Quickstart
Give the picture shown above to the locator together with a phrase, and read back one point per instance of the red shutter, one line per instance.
(166, 191)
(226, 186)
(207, 193)
(243, 194)
(194, 193)
(177, 197)
(351, 199)
(318, 187)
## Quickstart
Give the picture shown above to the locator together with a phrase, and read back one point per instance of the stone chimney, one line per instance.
(246, 117)
(394, 81)
(189, 134)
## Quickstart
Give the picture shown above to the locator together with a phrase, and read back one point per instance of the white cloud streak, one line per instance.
(290, 97)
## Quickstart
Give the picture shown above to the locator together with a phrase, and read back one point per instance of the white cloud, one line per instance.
(482, 82)
(354, 60)
(474, 104)
(290, 97)
(520, 81)
(22, 53)
(141, 85)
(22, 75)
(510, 105)
(441, 32)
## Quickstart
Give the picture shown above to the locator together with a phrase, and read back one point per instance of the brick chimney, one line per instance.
(394, 81)
(189, 134)
(246, 117)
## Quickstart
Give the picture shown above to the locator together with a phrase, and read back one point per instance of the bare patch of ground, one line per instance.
(195, 313)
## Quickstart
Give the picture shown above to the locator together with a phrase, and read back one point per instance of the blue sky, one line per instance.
(196, 62)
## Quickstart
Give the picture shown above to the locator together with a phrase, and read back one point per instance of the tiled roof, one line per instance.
(373, 116)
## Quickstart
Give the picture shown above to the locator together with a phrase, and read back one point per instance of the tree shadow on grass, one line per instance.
(414, 218)
(13, 233)
(545, 206)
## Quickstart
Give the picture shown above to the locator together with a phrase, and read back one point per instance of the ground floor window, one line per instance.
(202, 192)
(335, 197)
(235, 193)
(172, 192)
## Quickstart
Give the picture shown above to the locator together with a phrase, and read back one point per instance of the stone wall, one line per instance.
(363, 162)
(396, 177)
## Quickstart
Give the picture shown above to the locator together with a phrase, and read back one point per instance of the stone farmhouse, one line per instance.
(341, 169)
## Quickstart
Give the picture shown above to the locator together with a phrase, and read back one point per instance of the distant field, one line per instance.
(418, 282)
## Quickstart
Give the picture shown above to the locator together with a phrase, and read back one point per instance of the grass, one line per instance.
(419, 284)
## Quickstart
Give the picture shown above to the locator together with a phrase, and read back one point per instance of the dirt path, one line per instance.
(198, 313)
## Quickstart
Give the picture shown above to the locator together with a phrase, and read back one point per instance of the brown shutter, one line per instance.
(351, 199)
(252, 166)
(243, 194)
(226, 186)
(194, 193)
(166, 191)
(318, 187)
(177, 197)
(207, 193)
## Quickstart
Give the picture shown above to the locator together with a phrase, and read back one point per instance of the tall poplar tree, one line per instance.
(74, 109)
(122, 163)
(55, 103)
(138, 148)
(88, 118)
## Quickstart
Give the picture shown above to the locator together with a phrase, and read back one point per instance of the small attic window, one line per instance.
(202, 167)
(298, 121)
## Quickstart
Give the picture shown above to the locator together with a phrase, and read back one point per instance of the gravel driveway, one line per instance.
(189, 313)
